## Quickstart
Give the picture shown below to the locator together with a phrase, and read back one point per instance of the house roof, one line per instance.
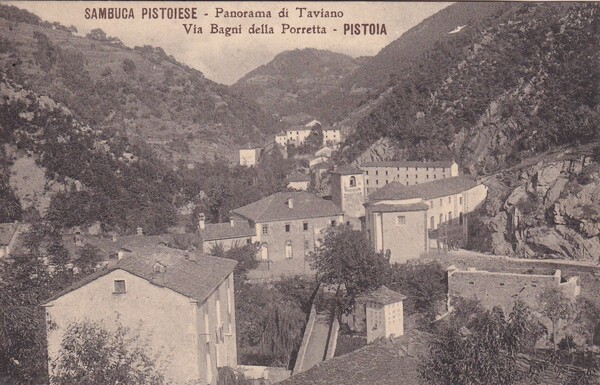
(298, 177)
(385, 296)
(384, 362)
(195, 279)
(385, 208)
(299, 128)
(6, 232)
(275, 207)
(347, 170)
(407, 163)
(216, 231)
(429, 190)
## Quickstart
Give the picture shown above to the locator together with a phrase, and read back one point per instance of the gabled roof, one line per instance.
(298, 177)
(195, 279)
(384, 362)
(428, 190)
(385, 208)
(275, 207)
(385, 296)
(407, 163)
(216, 231)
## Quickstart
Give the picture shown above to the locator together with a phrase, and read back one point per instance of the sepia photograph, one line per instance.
(299, 193)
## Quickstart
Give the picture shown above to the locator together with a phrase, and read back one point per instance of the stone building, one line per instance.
(226, 235)
(298, 181)
(296, 135)
(289, 224)
(384, 313)
(181, 304)
(379, 174)
(502, 289)
(348, 190)
(332, 136)
(403, 219)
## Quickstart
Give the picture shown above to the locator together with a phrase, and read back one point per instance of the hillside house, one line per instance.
(296, 135)
(227, 235)
(281, 139)
(332, 136)
(379, 174)
(250, 156)
(182, 304)
(403, 218)
(289, 224)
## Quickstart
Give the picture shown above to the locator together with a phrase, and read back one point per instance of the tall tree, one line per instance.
(346, 259)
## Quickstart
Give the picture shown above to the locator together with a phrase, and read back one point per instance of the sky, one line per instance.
(226, 59)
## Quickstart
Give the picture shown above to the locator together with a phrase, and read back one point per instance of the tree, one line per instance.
(481, 349)
(346, 259)
(244, 254)
(91, 354)
(556, 306)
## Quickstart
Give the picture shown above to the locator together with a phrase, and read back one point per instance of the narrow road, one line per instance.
(317, 341)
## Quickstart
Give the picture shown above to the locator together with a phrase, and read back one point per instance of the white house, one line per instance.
(182, 304)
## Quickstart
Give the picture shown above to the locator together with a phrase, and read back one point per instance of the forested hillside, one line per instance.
(291, 82)
(142, 91)
(523, 82)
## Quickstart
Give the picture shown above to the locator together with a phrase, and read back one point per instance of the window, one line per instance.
(434, 176)
(352, 181)
(387, 181)
(416, 169)
(367, 181)
(460, 200)
(443, 169)
(376, 181)
(427, 176)
(416, 176)
(400, 220)
(333, 223)
(376, 172)
(460, 218)
(287, 228)
(386, 173)
(407, 183)
(305, 226)
(265, 229)
(449, 199)
(406, 176)
(367, 172)
(427, 169)
(119, 286)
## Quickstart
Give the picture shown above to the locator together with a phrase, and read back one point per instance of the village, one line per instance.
(180, 286)
(405, 194)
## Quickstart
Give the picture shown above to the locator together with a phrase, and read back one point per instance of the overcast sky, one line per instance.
(226, 59)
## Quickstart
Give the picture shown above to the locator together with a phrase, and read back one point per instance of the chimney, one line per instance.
(201, 221)
(231, 221)
(140, 231)
(290, 202)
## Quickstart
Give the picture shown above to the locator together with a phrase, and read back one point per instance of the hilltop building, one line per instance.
(379, 174)
(289, 224)
(296, 135)
(332, 136)
(181, 303)
(403, 218)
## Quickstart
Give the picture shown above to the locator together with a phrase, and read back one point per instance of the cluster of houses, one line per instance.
(296, 136)
(185, 299)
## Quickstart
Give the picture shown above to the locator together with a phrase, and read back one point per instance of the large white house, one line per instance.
(183, 306)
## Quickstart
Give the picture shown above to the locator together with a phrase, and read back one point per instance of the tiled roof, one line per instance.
(297, 177)
(381, 363)
(385, 296)
(406, 163)
(6, 232)
(347, 170)
(299, 128)
(216, 231)
(385, 208)
(429, 190)
(195, 279)
(275, 207)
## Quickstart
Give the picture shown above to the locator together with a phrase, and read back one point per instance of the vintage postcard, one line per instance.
(299, 193)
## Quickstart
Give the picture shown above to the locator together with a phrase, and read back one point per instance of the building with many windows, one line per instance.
(379, 174)
(405, 219)
(296, 135)
(289, 224)
(181, 303)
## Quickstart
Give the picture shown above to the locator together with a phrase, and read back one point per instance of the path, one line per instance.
(317, 341)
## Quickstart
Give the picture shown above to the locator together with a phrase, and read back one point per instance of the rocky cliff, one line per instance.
(548, 209)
